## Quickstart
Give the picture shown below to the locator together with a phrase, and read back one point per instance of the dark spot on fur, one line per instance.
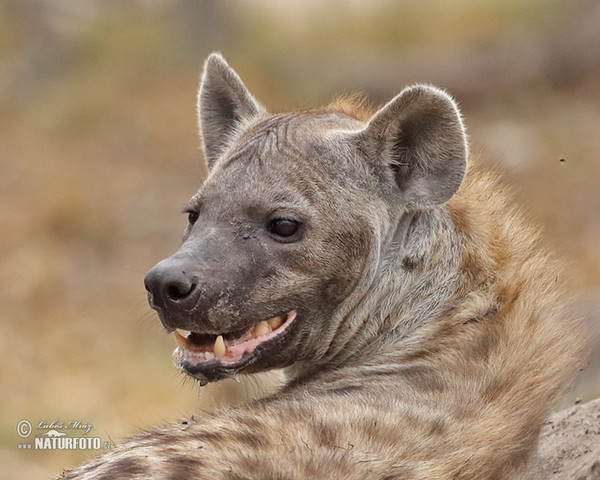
(169, 450)
(409, 264)
(484, 345)
(325, 434)
(210, 437)
(250, 422)
(339, 390)
(422, 378)
(344, 390)
(383, 373)
(495, 388)
(471, 267)
(124, 468)
(491, 312)
(250, 439)
(438, 427)
(464, 412)
(181, 467)
(399, 472)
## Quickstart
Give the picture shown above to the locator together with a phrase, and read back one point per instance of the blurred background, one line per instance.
(99, 153)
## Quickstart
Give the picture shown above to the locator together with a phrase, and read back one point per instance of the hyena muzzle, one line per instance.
(418, 320)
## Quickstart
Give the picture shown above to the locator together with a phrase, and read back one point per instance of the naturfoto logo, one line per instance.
(53, 436)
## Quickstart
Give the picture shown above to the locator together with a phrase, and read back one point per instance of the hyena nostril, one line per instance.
(168, 283)
(177, 291)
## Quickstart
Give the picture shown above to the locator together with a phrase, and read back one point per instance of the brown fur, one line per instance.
(436, 346)
(354, 105)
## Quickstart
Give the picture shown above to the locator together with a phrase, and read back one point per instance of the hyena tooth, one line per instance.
(181, 340)
(209, 355)
(183, 333)
(219, 348)
(275, 322)
(262, 329)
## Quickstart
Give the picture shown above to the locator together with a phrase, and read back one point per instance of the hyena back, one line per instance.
(418, 319)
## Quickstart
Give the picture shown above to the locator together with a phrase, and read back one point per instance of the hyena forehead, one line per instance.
(308, 136)
(294, 152)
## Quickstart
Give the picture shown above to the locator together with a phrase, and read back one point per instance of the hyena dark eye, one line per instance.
(283, 227)
(192, 216)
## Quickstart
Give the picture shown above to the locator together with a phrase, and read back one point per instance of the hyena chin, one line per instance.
(419, 321)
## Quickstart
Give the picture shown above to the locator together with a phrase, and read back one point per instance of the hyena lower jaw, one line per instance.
(205, 356)
(421, 324)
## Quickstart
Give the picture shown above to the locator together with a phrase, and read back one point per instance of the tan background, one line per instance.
(99, 152)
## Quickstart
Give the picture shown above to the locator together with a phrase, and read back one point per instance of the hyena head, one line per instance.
(293, 223)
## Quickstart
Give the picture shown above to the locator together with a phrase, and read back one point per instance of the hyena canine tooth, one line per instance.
(420, 322)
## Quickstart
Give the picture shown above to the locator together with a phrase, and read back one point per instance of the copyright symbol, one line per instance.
(24, 428)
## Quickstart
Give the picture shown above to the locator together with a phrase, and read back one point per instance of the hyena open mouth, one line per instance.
(209, 356)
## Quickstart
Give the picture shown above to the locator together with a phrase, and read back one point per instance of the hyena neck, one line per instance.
(477, 315)
(386, 311)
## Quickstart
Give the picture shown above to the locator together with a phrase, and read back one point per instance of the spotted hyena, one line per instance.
(418, 319)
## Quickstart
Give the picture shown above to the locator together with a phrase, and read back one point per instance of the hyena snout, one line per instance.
(202, 287)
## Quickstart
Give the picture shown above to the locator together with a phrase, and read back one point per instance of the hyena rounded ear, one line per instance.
(224, 104)
(419, 135)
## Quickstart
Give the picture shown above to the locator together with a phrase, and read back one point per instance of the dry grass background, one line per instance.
(99, 151)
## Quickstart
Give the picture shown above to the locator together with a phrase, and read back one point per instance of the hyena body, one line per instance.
(418, 318)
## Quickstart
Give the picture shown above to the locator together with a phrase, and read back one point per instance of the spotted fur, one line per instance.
(432, 335)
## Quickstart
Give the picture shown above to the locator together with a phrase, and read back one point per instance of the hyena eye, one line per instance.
(283, 227)
(192, 216)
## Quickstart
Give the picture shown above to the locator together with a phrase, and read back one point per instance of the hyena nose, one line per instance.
(169, 285)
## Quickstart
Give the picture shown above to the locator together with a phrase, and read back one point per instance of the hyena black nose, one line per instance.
(169, 285)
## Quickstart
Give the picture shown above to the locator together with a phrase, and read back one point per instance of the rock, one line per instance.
(569, 446)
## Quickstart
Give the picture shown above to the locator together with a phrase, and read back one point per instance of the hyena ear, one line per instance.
(224, 104)
(419, 135)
